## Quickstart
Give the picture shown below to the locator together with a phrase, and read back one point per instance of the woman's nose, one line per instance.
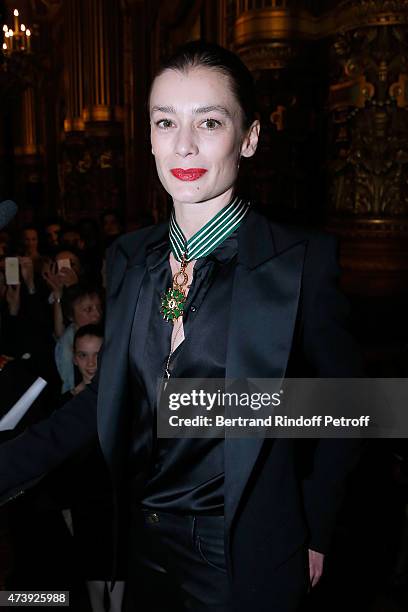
(186, 142)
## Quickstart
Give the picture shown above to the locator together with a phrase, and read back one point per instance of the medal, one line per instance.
(222, 225)
(172, 302)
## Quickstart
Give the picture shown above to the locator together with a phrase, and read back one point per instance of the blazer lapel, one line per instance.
(263, 315)
(112, 414)
(126, 269)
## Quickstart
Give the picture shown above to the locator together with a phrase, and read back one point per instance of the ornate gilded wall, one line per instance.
(332, 88)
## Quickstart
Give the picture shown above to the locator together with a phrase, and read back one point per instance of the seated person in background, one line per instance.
(82, 305)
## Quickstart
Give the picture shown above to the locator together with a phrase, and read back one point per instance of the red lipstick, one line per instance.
(188, 174)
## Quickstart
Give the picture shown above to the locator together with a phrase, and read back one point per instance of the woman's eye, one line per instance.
(164, 124)
(211, 124)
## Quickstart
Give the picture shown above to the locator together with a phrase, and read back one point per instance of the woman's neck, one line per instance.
(192, 217)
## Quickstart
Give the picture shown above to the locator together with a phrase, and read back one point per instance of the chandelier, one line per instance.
(16, 39)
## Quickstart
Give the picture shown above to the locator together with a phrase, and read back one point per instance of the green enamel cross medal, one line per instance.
(172, 302)
(213, 233)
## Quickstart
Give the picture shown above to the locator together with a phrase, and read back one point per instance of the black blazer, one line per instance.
(297, 316)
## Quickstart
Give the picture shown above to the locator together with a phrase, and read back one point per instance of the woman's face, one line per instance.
(87, 310)
(30, 240)
(197, 135)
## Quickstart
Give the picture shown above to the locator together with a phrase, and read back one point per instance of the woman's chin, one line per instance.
(186, 192)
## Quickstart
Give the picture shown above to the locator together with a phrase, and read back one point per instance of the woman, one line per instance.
(30, 243)
(30, 246)
(221, 292)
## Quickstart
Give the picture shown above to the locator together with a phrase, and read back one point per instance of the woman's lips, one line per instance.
(188, 174)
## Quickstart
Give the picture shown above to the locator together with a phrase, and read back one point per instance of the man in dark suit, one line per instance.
(229, 521)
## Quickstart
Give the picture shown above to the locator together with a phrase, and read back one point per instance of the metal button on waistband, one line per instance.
(152, 517)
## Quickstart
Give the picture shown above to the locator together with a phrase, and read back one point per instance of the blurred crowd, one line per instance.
(52, 300)
(59, 288)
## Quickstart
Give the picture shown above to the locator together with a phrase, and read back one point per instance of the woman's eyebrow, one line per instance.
(163, 109)
(202, 110)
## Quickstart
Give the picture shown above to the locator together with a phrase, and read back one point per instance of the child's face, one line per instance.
(87, 310)
(86, 356)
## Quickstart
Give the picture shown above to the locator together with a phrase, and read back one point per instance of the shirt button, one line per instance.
(193, 308)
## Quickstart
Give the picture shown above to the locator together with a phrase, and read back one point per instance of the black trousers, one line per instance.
(177, 564)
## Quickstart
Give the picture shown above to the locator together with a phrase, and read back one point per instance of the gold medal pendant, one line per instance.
(172, 302)
(201, 244)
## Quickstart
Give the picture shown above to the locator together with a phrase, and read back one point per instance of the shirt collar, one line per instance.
(223, 253)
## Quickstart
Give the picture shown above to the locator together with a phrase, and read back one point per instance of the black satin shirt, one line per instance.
(184, 476)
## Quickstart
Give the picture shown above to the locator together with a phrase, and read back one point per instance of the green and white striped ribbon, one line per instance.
(210, 235)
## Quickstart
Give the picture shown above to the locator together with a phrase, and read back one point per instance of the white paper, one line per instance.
(12, 271)
(63, 263)
(16, 413)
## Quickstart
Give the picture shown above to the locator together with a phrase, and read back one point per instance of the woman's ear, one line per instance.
(250, 142)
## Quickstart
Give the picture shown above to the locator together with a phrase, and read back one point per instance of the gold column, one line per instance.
(267, 32)
(27, 143)
(74, 74)
(92, 154)
(368, 169)
(103, 93)
(366, 172)
(28, 153)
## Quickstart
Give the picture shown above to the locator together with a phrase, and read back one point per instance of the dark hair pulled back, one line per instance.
(197, 54)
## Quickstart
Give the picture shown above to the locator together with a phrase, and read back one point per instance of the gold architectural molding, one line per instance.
(93, 88)
(27, 150)
(399, 91)
(74, 75)
(385, 229)
(274, 24)
(102, 63)
(28, 142)
(74, 125)
(102, 112)
(351, 93)
(284, 23)
(368, 13)
(268, 55)
(368, 104)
